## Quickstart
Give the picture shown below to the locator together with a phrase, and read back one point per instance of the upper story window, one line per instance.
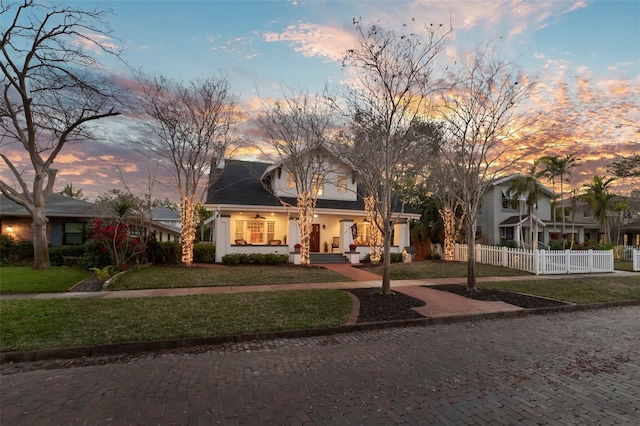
(291, 181)
(341, 184)
(509, 203)
(317, 184)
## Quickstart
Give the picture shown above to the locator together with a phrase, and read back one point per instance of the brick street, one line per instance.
(569, 368)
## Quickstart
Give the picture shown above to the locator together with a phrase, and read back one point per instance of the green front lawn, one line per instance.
(24, 279)
(577, 290)
(59, 323)
(442, 269)
(623, 265)
(177, 276)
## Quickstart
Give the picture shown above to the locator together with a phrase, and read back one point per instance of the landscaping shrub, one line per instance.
(166, 252)
(57, 254)
(395, 258)
(254, 258)
(93, 256)
(508, 243)
(14, 252)
(204, 253)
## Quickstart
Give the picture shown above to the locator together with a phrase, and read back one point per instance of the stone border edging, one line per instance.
(158, 345)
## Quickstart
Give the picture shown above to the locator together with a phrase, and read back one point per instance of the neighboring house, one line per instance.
(66, 215)
(67, 218)
(501, 218)
(250, 218)
(627, 222)
(166, 224)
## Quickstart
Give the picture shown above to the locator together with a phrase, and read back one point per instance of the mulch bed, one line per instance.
(489, 295)
(375, 307)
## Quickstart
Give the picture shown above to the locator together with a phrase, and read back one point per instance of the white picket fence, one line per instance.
(543, 262)
(636, 259)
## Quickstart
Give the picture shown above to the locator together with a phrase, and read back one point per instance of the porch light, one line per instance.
(9, 228)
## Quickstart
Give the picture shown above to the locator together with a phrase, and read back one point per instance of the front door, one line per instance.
(314, 240)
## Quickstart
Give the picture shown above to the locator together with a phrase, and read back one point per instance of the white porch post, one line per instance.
(294, 234)
(223, 236)
(345, 234)
(404, 236)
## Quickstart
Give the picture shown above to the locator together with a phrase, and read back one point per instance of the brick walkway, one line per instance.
(571, 368)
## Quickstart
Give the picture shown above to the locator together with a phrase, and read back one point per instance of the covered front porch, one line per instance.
(258, 230)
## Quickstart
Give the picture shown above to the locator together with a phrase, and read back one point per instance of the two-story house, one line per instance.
(503, 218)
(255, 206)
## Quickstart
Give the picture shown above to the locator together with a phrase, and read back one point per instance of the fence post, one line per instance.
(567, 259)
(612, 264)
(538, 258)
(590, 260)
(504, 256)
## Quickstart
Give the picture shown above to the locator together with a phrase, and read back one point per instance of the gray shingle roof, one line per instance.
(239, 184)
(56, 206)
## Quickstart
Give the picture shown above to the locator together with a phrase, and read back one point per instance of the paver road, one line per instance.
(570, 368)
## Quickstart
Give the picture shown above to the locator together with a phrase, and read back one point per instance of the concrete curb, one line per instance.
(152, 346)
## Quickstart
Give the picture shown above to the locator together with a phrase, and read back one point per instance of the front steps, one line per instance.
(320, 258)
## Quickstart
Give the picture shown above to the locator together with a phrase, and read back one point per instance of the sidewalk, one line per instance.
(438, 303)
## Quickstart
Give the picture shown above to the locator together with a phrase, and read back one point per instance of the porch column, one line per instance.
(223, 236)
(294, 234)
(345, 234)
(403, 234)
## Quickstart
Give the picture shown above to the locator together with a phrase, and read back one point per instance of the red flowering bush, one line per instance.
(115, 242)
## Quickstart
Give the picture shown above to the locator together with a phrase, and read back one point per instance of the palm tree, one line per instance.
(71, 192)
(550, 163)
(599, 198)
(529, 187)
(561, 168)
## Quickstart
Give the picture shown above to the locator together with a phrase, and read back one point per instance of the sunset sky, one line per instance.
(585, 54)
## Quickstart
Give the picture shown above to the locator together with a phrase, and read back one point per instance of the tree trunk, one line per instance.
(386, 260)
(471, 256)
(40, 242)
(188, 230)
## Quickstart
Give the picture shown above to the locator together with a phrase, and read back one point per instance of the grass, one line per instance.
(24, 279)
(176, 277)
(620, 265)
(577, 290)
(59, 323)
(441, 269)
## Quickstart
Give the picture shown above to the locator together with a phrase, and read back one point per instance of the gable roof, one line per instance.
(509, 178)
(56, 206)
(240, 184)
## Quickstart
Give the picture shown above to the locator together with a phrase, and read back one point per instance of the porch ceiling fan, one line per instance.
(259, 217)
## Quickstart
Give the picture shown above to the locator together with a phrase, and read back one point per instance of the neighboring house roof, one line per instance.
(56, 206)
(240, 183)
(507, 180)
(516, 220)
(165, 213)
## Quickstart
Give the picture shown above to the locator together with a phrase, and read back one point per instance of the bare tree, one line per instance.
(392, 90)
(297, 130)
(193, 126)
(442, 183)
(487, 131)
(52, 91)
